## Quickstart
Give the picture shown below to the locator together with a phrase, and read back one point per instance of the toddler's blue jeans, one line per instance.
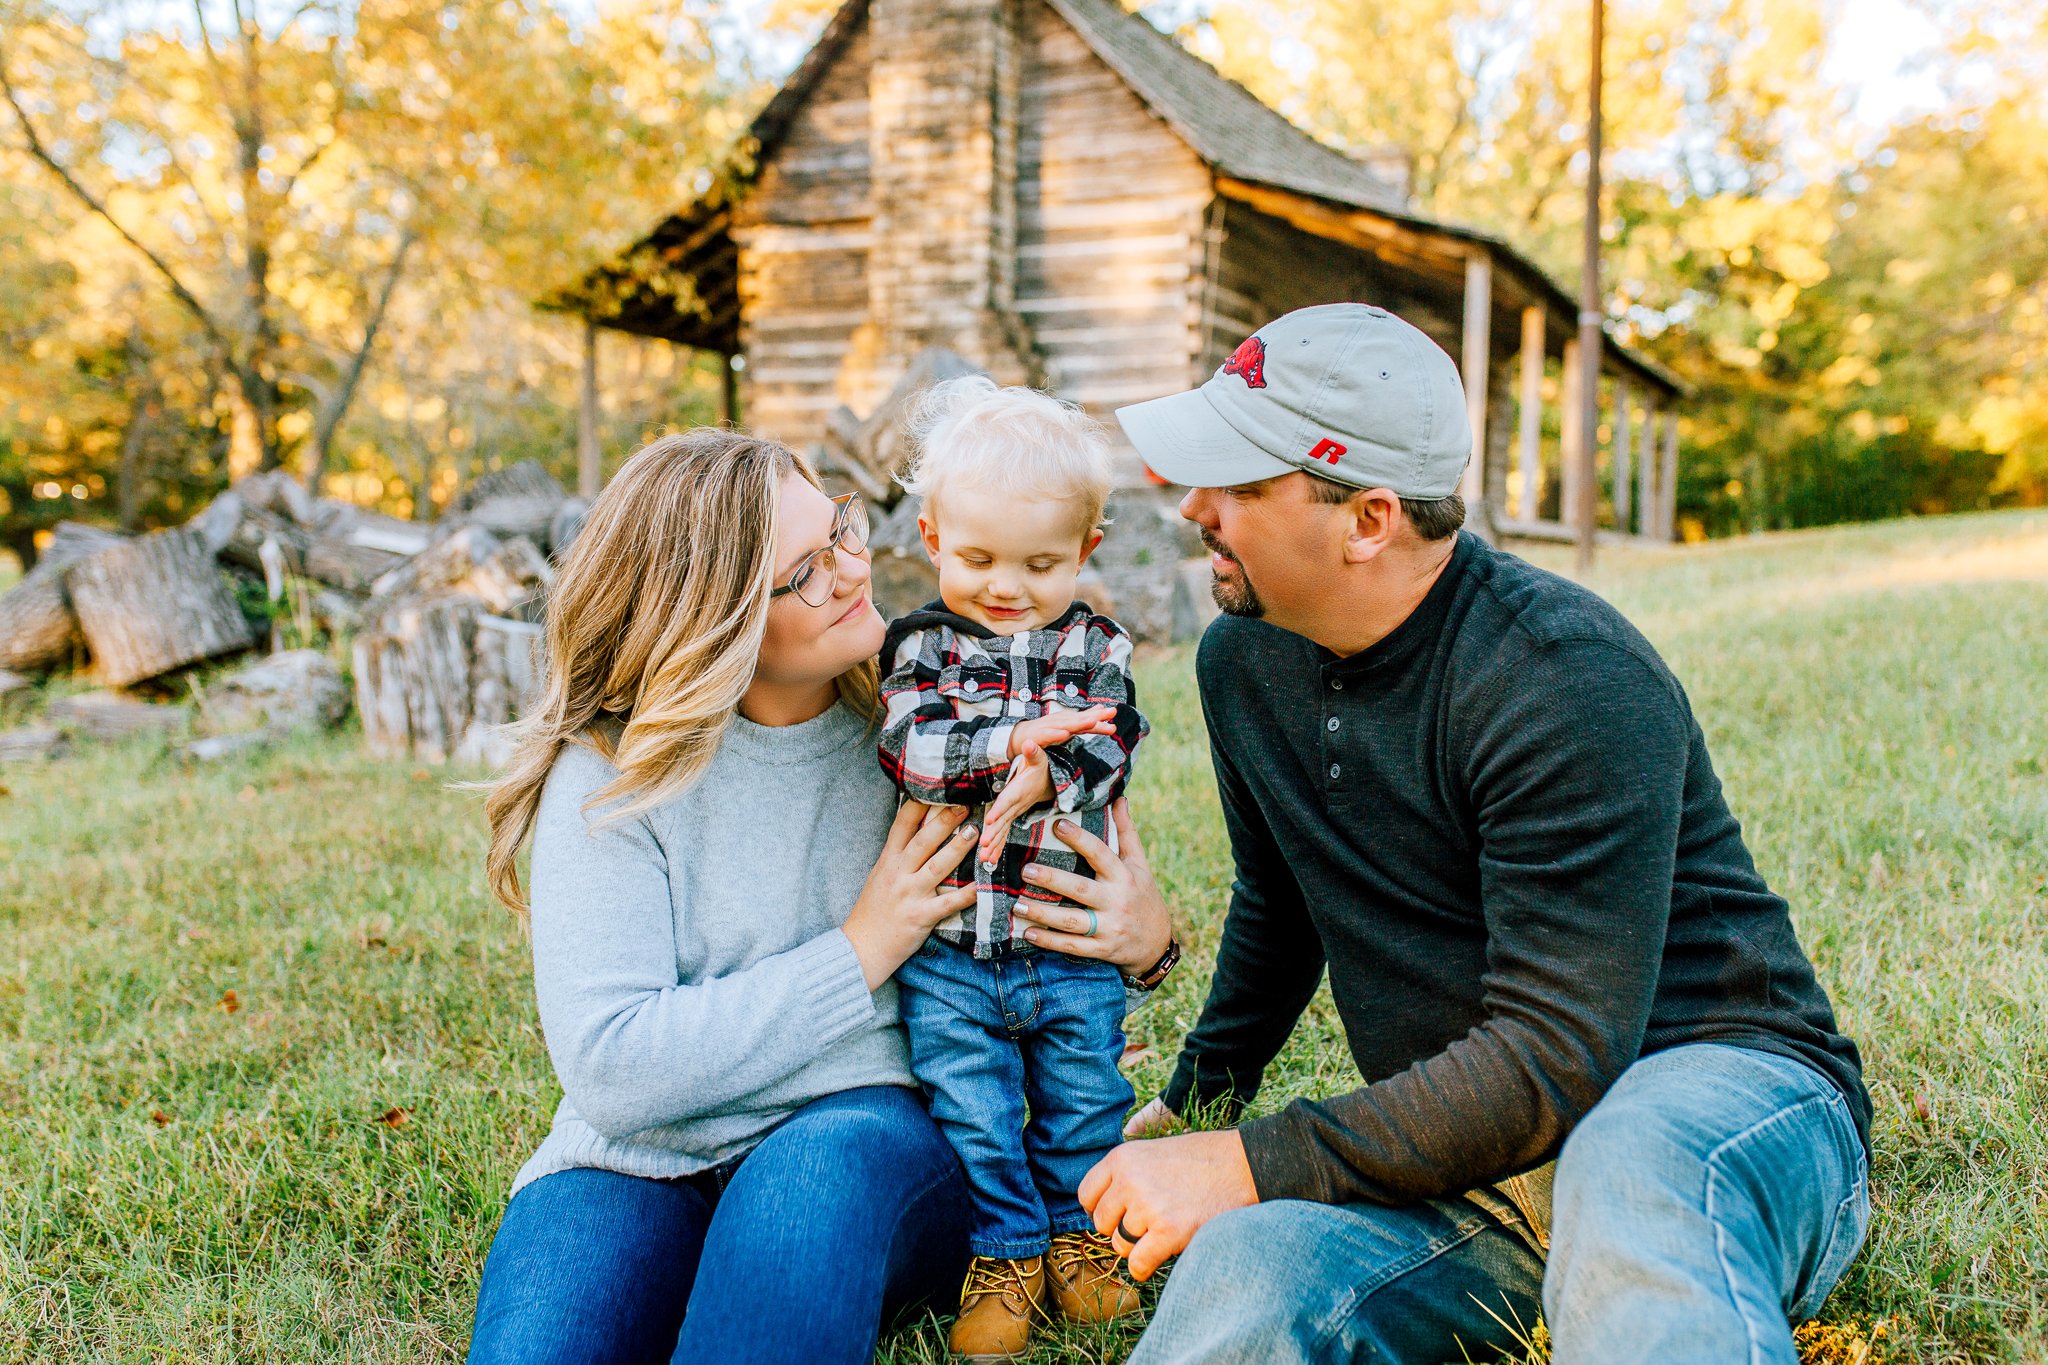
(989, 1036)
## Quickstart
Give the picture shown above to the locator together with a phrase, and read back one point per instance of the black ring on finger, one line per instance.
(1129, 1237)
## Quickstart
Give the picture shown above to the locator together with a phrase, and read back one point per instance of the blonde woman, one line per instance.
(741, 1168)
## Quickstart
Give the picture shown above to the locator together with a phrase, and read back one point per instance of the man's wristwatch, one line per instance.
(1146, 980)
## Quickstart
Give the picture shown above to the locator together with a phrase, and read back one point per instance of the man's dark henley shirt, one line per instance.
(1499, 828)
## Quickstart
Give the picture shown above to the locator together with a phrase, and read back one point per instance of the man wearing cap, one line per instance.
(1602, 1081)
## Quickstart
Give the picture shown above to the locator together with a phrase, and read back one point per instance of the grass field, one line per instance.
(268, 1056)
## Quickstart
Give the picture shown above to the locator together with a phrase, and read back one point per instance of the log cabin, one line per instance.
(1062, 195)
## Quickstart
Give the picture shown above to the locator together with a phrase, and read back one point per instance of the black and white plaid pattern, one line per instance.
(954, 693)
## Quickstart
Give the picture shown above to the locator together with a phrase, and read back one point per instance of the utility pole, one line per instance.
(1591, 314)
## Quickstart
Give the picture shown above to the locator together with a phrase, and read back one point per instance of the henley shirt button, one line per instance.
(973, 686)
(1333, 722)
(1335, 769)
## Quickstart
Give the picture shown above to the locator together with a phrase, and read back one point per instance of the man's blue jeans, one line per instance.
(1710, 1200)
(987, 1035)
(850, 1211)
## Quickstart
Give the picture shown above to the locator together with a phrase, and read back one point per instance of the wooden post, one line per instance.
(589, 459)
(1573, 415)
(1646, 480)
(1478, 339)
(1624, 437)
(1667, 521)
(1531, 453)
(1591, 337)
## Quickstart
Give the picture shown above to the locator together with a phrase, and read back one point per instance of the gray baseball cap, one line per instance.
(1344, 390)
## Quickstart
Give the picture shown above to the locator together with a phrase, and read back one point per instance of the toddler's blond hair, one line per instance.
(1016, 442)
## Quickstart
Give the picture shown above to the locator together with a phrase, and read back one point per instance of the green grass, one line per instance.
(186, 1183)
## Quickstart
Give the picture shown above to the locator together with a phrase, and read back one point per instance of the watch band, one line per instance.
(1157, 972)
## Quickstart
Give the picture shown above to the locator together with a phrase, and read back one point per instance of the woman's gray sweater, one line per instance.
(695, 988)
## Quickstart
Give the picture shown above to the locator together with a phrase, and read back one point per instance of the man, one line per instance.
(1474, 792)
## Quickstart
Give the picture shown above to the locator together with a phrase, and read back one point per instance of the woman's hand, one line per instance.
(903, 902)
(1131, 926)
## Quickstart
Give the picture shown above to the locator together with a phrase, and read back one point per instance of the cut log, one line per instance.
(520, 500)
(569, 519)
(154, 604)
(19, 746)
(104, 716)
(37, 627)
(413, 677)
(870, 451)
(237, 532)
(293, 690)
(277, 493)
(213, 748)
(355, 525)
(503, 674)
(441, 565)
(514, 574)
(441, 677)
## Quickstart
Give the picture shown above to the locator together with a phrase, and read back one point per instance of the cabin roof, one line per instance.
(679, 283)
(1227, 125)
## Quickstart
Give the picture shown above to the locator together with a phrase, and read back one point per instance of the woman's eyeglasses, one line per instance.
(817, 573)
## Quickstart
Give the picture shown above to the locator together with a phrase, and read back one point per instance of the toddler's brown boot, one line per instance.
(1087, 1278)
(997, 1305)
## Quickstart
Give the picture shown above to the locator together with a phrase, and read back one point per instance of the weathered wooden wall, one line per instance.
(1110, 214)
(1269, 267)
(804, 234)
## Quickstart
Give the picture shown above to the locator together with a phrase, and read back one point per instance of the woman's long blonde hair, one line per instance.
(654, 629)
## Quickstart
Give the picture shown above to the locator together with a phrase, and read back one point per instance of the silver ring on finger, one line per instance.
(1089, 932)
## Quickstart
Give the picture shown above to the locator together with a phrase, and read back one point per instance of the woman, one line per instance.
(720, 895)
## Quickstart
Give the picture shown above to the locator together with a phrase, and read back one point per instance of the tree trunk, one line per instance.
(336, 406)
(141, 417)
(153, 604)
(37, 627)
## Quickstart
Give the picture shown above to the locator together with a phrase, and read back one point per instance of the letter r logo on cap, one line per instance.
(1327, 449)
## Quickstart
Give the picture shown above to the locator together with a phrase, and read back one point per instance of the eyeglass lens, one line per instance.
(819, 573)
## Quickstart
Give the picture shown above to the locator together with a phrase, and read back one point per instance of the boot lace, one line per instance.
(1074, 1252)
(992, 1275)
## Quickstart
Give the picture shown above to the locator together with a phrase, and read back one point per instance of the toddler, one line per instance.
(1009, 696)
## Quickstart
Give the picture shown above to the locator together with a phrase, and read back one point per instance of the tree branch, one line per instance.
(42, 153)
(336, 406)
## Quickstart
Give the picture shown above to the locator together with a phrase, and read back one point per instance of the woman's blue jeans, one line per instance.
(850, 1212)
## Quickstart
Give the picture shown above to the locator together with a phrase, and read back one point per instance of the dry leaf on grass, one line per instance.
(230, 1002)
(394, 1117)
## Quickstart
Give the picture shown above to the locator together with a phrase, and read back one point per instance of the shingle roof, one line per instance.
(1227, 125)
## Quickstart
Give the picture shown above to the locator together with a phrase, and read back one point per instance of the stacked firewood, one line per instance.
(439, 620)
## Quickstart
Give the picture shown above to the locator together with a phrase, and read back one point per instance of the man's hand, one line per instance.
(1161, 1192)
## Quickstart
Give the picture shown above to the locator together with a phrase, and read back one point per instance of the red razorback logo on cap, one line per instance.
(1248, 362)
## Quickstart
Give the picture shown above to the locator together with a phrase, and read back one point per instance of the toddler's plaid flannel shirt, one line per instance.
(954, 692)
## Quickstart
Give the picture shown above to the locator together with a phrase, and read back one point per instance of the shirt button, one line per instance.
(1335, 769)
(973, 686)
(1336, 684)
(1333, 723)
